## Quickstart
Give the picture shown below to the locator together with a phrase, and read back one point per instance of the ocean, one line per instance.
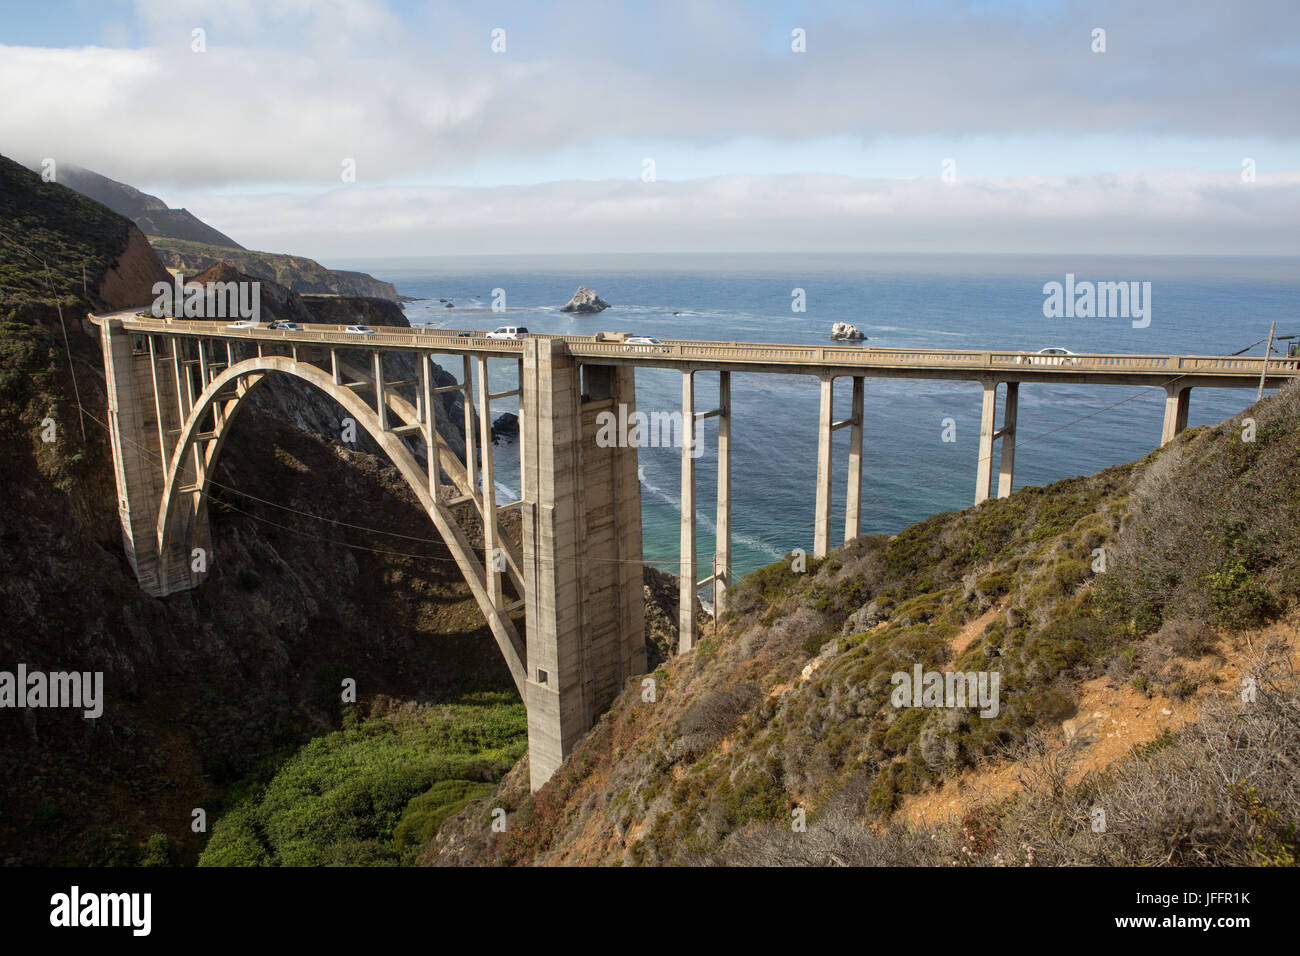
(1197, 306)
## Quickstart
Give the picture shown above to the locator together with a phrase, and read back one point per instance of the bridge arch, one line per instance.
(196, 452)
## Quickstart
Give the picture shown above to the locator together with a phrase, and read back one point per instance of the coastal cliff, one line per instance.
(297, 273)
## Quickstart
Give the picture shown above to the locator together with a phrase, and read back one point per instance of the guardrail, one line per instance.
(675, 351)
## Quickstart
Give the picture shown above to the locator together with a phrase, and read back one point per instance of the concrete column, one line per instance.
(1008, 434)
(203, 364)
(471, 459)
(722, 547)
(489, 494)
(182, 380)
(582, 579)
(334, 367)
(523, 434)
(191, 393)
(159, 412)
(984, 470)
(686, 636)
(822, 526)
(1177, 399)
(853, 501)
(430, 422)
(420, 359)
(381, 400)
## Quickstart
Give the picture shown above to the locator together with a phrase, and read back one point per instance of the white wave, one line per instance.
(763, 547)
(503, 491)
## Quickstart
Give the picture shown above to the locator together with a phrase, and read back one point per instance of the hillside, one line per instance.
(90, 250)
(150, 213)
(186, 243)
(789, 718)
(350, 309)
(293, 272)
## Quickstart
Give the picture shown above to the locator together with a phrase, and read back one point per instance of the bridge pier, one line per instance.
(826, 428)
(1177, 400)
(722, 540)
(688, 586)
(990, 433)
(822, 515)
(584, 597)
(686, 625)
(853, 499)
(1008, 435)
(488, 495)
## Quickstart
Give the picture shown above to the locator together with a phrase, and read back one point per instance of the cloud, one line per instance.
(288, 89)
(1150, 213)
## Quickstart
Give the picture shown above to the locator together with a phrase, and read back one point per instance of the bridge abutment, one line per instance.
(142, 416)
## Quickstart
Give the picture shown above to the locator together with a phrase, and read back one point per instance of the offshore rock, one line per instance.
(585, 302)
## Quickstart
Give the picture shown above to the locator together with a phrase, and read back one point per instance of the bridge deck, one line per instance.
(1222, 371)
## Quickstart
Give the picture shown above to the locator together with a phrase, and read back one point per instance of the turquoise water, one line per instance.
(1198, 306)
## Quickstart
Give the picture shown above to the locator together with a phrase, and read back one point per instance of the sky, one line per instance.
(365, 128)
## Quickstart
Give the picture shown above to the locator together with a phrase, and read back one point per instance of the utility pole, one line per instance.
(1268, 352)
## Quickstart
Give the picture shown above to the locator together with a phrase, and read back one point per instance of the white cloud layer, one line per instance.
(1157, 213)
(287, 89)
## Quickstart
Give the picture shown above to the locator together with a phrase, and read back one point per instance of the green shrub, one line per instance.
(342, 798)
(1237, 597)
(425, 813)
(155, 851)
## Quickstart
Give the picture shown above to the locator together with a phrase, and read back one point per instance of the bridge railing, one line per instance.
(740, 353)
(336, 335)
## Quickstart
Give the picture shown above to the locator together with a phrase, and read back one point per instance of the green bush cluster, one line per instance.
(373, 793)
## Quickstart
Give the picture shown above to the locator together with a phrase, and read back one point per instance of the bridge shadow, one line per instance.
(352, 577)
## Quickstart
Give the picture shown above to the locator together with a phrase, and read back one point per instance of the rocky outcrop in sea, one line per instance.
(585, 302)
(843, 332)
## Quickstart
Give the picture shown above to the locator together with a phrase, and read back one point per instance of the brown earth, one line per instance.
(1111, 721)
(129, 281)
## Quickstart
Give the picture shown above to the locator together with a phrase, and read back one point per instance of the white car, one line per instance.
(509, 332)
(645, 343)
(1048, 356)
(360, 330)
(242, 324)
